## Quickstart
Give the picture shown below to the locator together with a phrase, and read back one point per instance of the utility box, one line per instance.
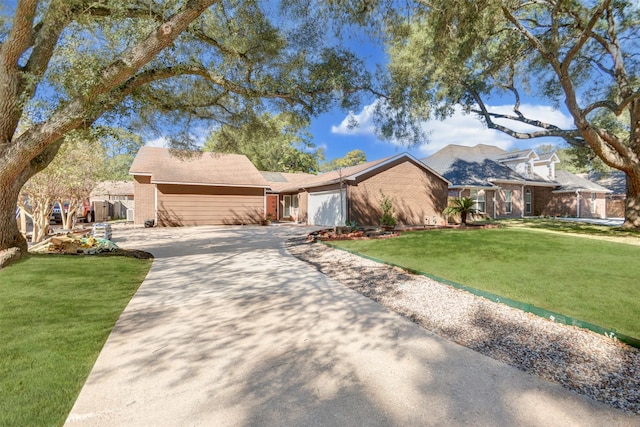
(101, 230)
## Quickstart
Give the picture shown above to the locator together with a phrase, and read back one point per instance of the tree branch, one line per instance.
(586, 33)
(75, 113)
(19, 37)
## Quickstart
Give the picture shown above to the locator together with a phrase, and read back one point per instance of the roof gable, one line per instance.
(352, 173)
(479, 173)
(519, 156)
(194, 168)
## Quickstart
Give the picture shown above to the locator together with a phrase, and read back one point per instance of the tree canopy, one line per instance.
(171, 67)
(582, 55)
(352, 158)
(275, 143)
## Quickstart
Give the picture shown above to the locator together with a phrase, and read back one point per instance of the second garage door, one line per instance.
(327, 208)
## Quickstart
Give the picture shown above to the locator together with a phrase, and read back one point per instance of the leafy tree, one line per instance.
(66, 182)
(352, 158)
(167, 66)
(463, 207)
(276, 143)
(579, 54)
(120, 147)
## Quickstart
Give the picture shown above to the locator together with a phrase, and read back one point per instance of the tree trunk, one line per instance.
(463, 217)
(632, 203)
(11, 240)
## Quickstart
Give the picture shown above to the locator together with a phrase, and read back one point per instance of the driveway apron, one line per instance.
(229, 330)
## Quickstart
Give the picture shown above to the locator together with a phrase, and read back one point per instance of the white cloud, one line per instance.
(364, 120)
(158, 142)
(465, 129)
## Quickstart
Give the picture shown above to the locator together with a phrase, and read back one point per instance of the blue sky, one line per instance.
(331, 132)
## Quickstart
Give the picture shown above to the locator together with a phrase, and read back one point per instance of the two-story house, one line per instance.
(517, 184)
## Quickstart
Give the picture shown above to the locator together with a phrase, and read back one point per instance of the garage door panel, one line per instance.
(327, 208)
(208, 209)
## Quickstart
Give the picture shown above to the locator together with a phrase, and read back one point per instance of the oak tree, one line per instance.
(169, 65)
(583, 56)
(274, 143)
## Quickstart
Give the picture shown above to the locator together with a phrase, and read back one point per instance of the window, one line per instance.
(593, 203)
(507, 200)
(478, 197)
(529, 170)
(287, 206)
(527, 201)
(290, 206)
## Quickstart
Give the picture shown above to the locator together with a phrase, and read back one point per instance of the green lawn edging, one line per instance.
(528, 308)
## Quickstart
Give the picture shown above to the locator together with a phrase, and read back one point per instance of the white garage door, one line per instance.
(327, 208)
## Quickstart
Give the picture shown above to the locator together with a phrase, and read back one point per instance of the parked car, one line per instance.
(85, 214)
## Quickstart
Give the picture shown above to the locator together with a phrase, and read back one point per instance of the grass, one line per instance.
(570, 227)
(56, 312)
(591, 280)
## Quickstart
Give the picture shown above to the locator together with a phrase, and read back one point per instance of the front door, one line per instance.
(272, 206)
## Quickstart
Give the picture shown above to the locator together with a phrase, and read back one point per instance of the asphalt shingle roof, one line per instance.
(181, 167)
(570, 183)
(481, 166)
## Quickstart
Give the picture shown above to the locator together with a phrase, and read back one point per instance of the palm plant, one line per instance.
(463, 206)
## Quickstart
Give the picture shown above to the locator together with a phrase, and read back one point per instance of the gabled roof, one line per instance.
(352, 173)
(166, 166)
(570, 183)
(443, 159)
(516, 156)
(616, 181)
(479, 173)
(475, 166)
(547, 158)
(481, 166)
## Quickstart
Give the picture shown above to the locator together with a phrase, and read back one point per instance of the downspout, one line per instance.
(577, 203)
(155, 220)
(524, 202)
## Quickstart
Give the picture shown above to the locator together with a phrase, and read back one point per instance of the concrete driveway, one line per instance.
(229, 330)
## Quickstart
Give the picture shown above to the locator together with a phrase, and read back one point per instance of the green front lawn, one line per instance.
(56, 312)
(591, 280)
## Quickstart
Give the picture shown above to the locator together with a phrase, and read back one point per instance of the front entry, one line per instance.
(272, 206)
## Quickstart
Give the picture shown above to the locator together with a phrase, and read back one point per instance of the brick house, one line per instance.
(213, 188)
(517, 184)
(417, 192)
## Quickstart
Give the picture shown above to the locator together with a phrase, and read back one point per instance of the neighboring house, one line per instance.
(227, 189)
(517, 184)
(174, 189)
(113, 200)
(418, 193)
(616, 181)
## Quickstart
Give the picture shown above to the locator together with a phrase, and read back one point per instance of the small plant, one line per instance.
(352, 225)
(267, 219)
(463, 206)
(386, 206)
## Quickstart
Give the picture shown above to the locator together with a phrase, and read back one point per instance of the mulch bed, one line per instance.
(337, 233)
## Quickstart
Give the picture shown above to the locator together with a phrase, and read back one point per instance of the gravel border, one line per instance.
(580, 360)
